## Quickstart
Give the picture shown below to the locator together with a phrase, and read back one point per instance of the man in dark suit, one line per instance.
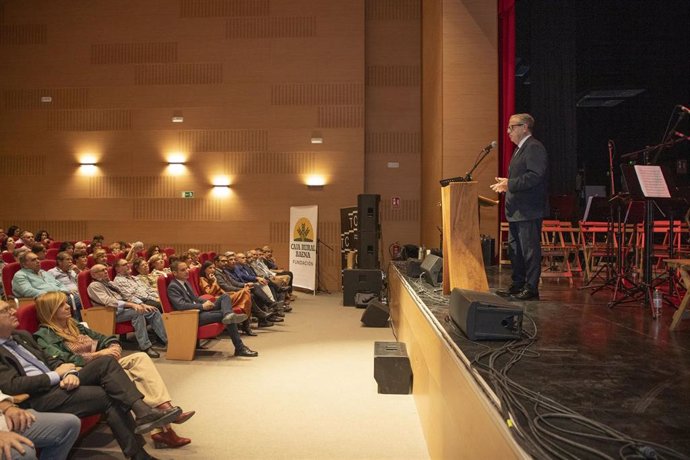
(182, 297)
(525, 205)
(101, 386)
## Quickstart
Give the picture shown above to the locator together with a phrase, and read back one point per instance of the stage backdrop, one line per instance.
(303, 223)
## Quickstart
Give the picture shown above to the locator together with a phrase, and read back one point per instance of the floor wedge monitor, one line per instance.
(485, 316)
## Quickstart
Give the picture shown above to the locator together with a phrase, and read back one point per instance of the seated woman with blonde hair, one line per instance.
(157, 266)
(62, 337)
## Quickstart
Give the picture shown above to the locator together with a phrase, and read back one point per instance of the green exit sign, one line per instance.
(188, 194)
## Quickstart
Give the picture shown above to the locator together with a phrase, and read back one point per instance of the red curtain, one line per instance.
(506, 94)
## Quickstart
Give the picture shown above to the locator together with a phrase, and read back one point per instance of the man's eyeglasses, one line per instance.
(511, 127)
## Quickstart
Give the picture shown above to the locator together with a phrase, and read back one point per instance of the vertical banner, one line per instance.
(303, 242)
(348, 233)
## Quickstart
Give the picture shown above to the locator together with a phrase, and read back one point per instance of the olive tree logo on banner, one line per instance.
(303, 245)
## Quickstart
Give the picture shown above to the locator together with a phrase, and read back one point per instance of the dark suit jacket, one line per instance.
(526, 198)
(181, 300)
(13, 379)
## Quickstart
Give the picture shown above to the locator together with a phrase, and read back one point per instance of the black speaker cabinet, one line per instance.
(376, 314)
(392, 370)
(485, 316)
(368, 213)
(368, 250)
(432, 267)
(359, 280)
(414, 268)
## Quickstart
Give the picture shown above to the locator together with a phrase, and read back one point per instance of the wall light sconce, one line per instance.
(221, 190)
(316, 137)
(315, 183)
(88, 166)
(177, 117)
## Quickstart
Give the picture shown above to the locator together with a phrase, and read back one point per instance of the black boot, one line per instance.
(247, 328)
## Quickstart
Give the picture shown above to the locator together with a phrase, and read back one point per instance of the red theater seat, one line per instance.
(100, 318)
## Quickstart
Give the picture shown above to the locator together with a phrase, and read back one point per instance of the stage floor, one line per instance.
(617, 366)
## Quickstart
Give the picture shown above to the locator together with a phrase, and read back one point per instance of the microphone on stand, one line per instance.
(468, 177)
(683, 109)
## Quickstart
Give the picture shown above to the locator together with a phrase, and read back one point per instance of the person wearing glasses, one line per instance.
(525, 207)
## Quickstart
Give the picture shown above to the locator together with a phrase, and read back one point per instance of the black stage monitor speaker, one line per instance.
(359, 280)
(392, 370)
(368, 250)
(376, 314)
(432, 267)
(414, 268)
(368, 213)
(485, 316)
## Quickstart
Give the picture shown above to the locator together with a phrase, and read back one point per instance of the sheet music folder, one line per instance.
(658, 179)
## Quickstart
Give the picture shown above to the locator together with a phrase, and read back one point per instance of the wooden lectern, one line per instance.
(463, 265)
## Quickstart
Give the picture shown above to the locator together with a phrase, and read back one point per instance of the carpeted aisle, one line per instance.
(309, 395)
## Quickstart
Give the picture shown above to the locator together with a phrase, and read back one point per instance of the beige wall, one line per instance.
(254, 80)
(459, 102)
(393, 116)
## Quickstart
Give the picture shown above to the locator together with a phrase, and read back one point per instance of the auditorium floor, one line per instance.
(618, 366)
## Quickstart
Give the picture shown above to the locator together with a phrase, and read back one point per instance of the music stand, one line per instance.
(652, 184)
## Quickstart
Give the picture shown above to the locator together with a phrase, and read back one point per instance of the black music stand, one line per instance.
(660, 190)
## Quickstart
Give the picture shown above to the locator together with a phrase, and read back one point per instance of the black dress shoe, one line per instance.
(248, 330)
(156, 418)
(512, 290)
(246, 352)
(275, 319)
(526, 294)
(265, 323)
(152, 353)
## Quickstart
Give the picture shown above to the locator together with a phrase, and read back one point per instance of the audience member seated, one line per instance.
(31, 281)
(43, 237)
(67, 247)
(80, 246)
(100, 386)
(141, 266)
(62, 337)
(194, 254)
(96, 243)
(27, 239)
(132, 287)
(255, 261)
(24, 431)
(157, 266)
(133, 251)
(81, 261)
(39, 250)
(244, 273)
(182, 297)
(8, 245)
(64, 273)
(263, 308)
(241, 299)
(266, 255)
(100, 257)
(103, 292)
(155, 250)
(14, 232)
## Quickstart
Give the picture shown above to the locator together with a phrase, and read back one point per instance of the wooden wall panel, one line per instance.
(223, 8)
(179, 74)
(223, 140)
(393, 10)
(393, 116)
(89, 120)
(253, 79)
(282, 27)
(62, 98)
(133, 53)
(317, 94)
(23, 34)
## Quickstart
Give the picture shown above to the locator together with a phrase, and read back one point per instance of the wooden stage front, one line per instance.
(617, 366)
